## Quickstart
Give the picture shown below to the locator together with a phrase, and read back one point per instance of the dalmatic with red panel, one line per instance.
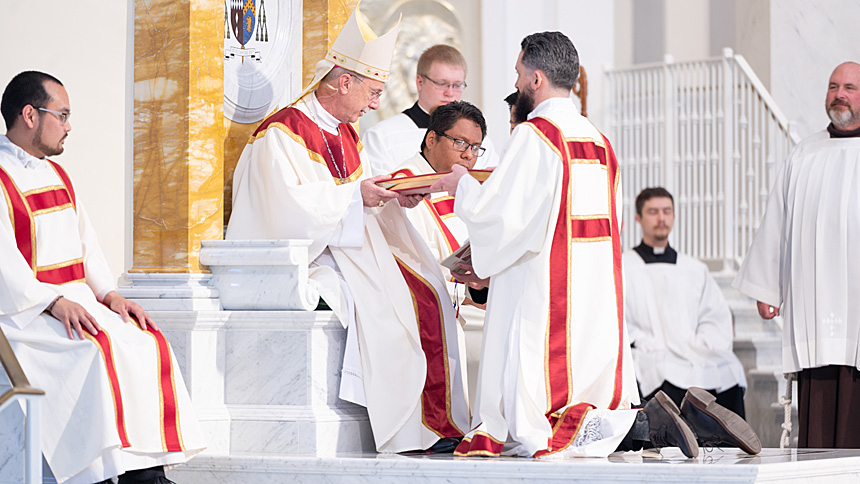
(558, 296)
(115, 399)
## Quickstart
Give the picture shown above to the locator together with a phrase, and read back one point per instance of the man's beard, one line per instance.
(525, 105)
(45, 148)
(845, 118)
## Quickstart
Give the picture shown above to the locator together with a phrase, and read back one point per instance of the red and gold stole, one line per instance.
(305, 131)
(24, 206)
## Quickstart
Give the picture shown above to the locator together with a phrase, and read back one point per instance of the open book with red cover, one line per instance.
(420, 184)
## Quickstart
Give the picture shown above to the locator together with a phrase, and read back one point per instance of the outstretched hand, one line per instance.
(465, 274)
(126, 309)
(449, 182)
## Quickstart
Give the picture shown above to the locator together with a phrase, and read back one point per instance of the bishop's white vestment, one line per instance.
(444, 233)
(392, 141)
(115, 401)
(298, 178)
(804, 254)
(556, 372)
(680, 325)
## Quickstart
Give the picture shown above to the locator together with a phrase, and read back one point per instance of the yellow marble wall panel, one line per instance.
(235, 138)
(322, 21)
(178, 154)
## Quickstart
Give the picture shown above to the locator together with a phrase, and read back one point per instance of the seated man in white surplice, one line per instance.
(69, 328)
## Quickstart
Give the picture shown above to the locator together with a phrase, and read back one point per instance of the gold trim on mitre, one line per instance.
(358, 49)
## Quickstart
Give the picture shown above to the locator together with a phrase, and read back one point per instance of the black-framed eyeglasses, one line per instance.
(374, 95)
(457, 86)
(461, 145)
(63, 116)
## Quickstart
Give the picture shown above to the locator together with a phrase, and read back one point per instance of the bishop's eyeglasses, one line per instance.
(461, 145)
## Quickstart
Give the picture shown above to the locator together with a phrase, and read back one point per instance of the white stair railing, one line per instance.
(710, 133)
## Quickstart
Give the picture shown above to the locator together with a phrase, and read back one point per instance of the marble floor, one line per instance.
(670, 466)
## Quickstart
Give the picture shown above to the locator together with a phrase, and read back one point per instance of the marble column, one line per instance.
(178, 128)
(178, 179)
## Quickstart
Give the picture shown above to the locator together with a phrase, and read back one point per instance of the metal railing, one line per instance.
(22, 390)
(710, 133)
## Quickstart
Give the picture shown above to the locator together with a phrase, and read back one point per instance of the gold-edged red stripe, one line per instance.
(436, 395)
(61, 172)
(613, 175)
(74, 272)
(47, 200)
(590, 229)
(171, 436)
(102, 342)
(565, 428)
(557, 337)
(440, 209)
(481, 443)
(22, 219)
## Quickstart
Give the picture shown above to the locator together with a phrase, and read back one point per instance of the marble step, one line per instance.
(713, 465)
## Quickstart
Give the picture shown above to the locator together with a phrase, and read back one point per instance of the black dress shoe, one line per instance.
(667, 428)
(714, 424)
(444, 445)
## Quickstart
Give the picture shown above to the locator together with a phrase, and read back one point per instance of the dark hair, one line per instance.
(648, 194)
(447, 115)
(554, 54)
(26, 88)
(511, 99)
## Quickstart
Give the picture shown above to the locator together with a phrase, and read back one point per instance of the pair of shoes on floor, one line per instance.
(699, 421)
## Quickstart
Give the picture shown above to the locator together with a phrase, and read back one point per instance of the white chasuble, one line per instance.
(291, 182)
(115, 401)
(680, 325)
(804, 257)
(545, 228)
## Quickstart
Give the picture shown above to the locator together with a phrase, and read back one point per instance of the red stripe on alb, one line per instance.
(612, 175)
(102, 341)
(66, 181)
(22, 223)
(564, 429)
(46, 200)
(589, 229)
(62, 275)
(436, 395)
(170, 413)
(557, 339)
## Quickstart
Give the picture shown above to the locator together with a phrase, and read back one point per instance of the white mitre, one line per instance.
(358, 49)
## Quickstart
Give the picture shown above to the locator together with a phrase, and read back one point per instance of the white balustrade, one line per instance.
(710, 133)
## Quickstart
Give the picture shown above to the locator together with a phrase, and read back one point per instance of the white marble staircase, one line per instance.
(758, 344)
